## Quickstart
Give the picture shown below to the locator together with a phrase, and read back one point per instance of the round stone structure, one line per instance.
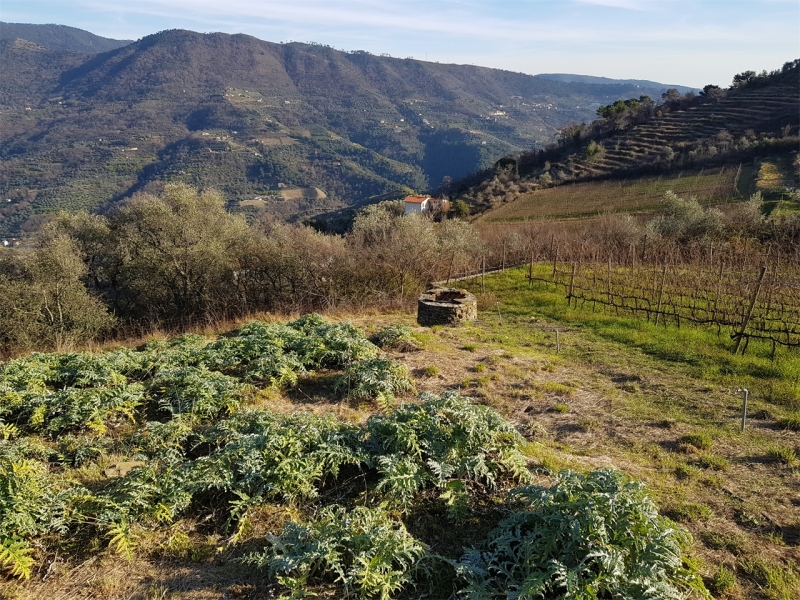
(446, 306)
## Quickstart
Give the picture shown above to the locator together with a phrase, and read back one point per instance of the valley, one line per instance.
(244, 116)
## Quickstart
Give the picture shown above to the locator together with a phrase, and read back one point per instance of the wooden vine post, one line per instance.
(450, 269)
(555, 261)
(719, 289)
(633, 259)
(661, 293)
(572, 286)
(530, 271)
(749, 315)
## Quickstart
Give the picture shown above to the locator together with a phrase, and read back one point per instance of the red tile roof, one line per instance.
(417, 199)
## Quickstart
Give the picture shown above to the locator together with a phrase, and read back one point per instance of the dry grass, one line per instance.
(581, 200)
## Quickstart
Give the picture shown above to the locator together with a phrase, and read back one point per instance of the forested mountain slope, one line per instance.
(294, 129)
(644, 83)
(60, 37)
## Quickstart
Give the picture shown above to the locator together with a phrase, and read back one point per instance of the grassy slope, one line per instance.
(633, 391)
(589, 199)
(620, 392)
(773, 178)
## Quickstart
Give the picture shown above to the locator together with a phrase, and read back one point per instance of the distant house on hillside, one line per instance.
(424, 204)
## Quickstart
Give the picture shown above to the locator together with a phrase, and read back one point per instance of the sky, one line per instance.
(683, 42)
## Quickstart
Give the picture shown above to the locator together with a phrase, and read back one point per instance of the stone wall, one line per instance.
(446, 306)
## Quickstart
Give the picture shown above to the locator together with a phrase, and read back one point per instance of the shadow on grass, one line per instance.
(318, 388)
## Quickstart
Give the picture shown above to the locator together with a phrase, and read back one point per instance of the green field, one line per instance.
(662, 403)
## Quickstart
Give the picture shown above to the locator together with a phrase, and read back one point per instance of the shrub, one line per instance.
(440, 440)
(560, 407)
(589, 536)
(684, 220)
(373, 378)
(262, 455)
(431, 371)
(197, 392)
(364, 550)
(331, 345)
(593, 150)
(74, 408)
(259, 352)
(31, 504)
(394, 337)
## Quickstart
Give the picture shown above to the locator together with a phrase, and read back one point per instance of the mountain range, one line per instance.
(292, 129)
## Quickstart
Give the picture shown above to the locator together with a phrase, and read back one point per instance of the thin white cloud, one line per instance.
(640, 5)
(367, 19)
(423, 19)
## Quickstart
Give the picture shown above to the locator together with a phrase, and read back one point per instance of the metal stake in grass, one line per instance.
(745, 393)
(558, 343)
(483, 274)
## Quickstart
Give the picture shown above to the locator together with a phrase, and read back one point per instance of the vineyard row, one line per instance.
(751, 293)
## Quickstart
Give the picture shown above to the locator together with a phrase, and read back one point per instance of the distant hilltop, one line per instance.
(60, 37)
(591, 79)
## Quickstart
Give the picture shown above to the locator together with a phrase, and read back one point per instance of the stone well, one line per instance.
(446, 306)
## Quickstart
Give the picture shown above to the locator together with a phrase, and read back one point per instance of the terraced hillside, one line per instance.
(736, 121)
(721, 146)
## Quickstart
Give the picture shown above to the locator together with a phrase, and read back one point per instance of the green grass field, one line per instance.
(639, 396)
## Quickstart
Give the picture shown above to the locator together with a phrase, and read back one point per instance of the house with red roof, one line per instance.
(423, 204)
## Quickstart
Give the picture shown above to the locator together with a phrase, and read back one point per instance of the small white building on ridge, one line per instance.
(423, 204)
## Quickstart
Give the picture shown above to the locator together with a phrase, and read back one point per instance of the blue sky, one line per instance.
(686, 42)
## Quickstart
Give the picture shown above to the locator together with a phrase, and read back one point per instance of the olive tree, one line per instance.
(44, 301)
(179, 252)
